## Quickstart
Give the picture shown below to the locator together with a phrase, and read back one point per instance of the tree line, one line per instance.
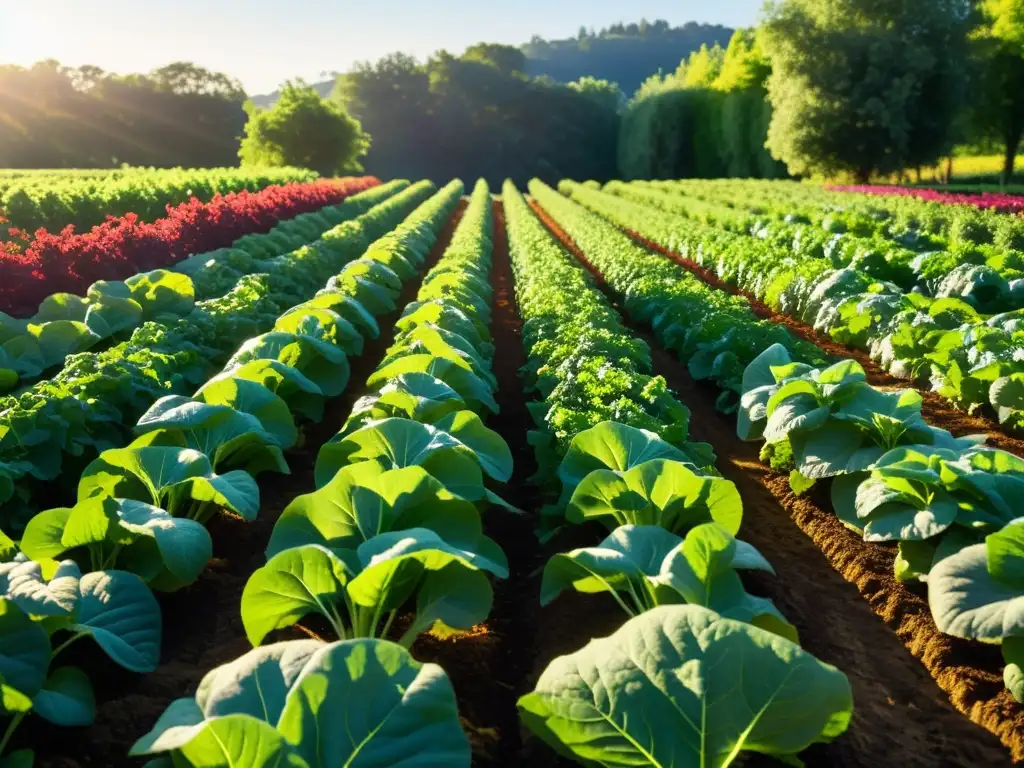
(53, 116)
(821, 87)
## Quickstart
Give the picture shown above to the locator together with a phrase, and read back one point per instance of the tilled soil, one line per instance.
(901, 714)
(202, 623)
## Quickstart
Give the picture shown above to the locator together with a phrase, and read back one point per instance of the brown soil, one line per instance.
(901, 715)
(936, 409)
(202, 623)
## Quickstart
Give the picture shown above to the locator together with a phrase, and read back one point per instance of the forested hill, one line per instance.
(624, 53)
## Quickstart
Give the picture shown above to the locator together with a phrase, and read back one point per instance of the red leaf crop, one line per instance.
(999, 202)
(121, 247)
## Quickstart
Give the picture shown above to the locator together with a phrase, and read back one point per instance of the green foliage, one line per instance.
(280, 705)
(708, 119)
(303, 130)
(478, 115)
(604, 92)
(679, 694)
(861, 86)
(998, 105)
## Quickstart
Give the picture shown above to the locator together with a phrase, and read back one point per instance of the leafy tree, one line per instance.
(744, 64)
(864, 85)
(702, 68)
(999, 107)
(605, 93)
(507, 58)
(304, 130)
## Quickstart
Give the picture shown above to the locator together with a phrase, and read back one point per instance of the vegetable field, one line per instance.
(362, 473)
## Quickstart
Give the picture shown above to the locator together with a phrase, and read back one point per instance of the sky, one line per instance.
(264, 42)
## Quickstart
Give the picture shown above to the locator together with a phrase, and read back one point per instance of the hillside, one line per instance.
(624, 53)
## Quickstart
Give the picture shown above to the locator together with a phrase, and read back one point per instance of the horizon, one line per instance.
(213, 34)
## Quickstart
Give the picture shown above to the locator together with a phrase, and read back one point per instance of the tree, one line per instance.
(865, 86)
(507, 58)
(744, 64)
(702, 68)
(999, 107)
(304, 130)
(605, 93)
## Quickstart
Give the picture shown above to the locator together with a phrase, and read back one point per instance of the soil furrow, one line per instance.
(901, 717)
(202, 623)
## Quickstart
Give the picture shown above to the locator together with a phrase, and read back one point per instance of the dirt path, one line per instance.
(937, 410)
(202, 623)
(901, 715)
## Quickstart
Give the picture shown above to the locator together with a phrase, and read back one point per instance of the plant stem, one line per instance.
(66, 643)
(387, 624)
(11, 728)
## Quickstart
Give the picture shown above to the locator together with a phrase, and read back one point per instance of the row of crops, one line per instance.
(83, 199)
(199, 384)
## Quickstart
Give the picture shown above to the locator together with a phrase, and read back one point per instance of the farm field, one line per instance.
(688, 473)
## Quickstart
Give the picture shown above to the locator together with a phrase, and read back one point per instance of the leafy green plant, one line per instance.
(835, 422)
(44, 609)
(644, 566)
(359, 591)
(933, 502)
(977, 593)
(101, 533)
(281, 705)
(682, 694)
(445, 449)
(180, 480)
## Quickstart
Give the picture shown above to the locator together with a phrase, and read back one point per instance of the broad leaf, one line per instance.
(689, 688)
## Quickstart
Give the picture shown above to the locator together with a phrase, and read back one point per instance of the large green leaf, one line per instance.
(630, 555)
(59, 338)
(416, 396)
(349, 308)
(322, 363)
(614, 446)
(162, 292)
(238, 741)
(112, 315)
(120, 613)
(457, 374)
(396, 443)
(364, 500)
(66, 699)
(324, 324)
(54, 593)
(396, 711)
(978, 592)
(660, 492)
(295, 583)
(390, 559)
(688, 688)
(61, 306)
(231, 438)
(301, 394)
(256, 400)
(159, 474)
(24, 650)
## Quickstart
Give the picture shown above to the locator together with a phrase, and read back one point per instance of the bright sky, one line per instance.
(263, 42)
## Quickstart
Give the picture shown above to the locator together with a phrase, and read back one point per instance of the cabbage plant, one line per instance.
(308, 704)
(689, 688)
(644, 566)
(978, 594)
(47, 607)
